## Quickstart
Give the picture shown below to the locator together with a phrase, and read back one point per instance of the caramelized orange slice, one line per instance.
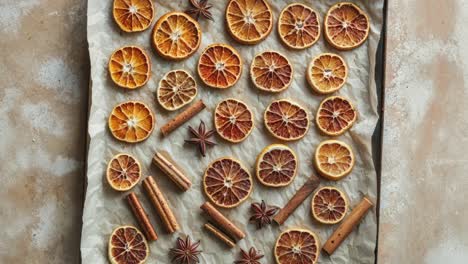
(327, 73)
(333, 159)
(298, 26)
(335, 115)
(131, 121)
(286, 120)
(249, 21)
(271, 71)
(329, 205)
(227, 183)
(297, 246)
(220, 66)
(233, 120)
(176, 36)
(176, 89)
(346, 26)
(127, 245)
(123, 172)
(133, 15)
(130, 67)
(276, 165)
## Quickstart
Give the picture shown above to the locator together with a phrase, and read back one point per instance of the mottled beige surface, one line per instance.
(425, 165)
(43, 106)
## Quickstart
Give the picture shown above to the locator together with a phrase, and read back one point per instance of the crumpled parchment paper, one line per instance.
(106, 209)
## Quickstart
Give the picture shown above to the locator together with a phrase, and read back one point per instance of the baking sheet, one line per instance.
(106, 209)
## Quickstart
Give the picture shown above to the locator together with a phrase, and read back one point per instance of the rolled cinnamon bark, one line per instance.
(172, 172)
(220, 235)
(142, 217)
(183, 117)
(220, 220)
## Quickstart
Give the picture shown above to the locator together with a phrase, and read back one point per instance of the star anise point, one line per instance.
(201, 137)
(249, 257)
(200, 8)
(185, 251)
(262, 213)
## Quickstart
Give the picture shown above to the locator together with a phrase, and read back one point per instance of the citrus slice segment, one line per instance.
(286, 120)
(276, 165)
(233, 120)
(220, 66)
(297, 246)
(335, 115)
(130, 67)
(227, 183)
(329, 205)
(271, 71)
(123, 172)
(346, 26)
(176, 36)
(334, 159)
(176, 89)
(327, 73)
(133, 15)
(127, 245)
(249, 21)
(131, 121)
(298, 26)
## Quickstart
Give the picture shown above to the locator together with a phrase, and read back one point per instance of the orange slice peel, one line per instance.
(123, 172)
(335, 116)
(133, 15)
(297, 246)
(271, 71)
(176, 89)
(131, 121)
(233, 120)
(334, 159)
(327, 73)
(286, 120)
(276, 165)
(130, 67)
(329, 205)
(298, 26)
(127, 245)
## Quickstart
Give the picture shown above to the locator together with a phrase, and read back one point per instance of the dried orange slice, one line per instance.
(297, 246)
(327, 73)
(130, 67)
(127, 245)
(286, 120)
(176, 36)
(249, 21)
(123, 172)
(131, 121)
(233, 120)
(329, 205)
(271, 71)
(227, 183)
(346, 26)
(334, 159)
(276, 165)
(298, 26)
(335, 115)
(133, 15)
(220, 66)
(176, 89)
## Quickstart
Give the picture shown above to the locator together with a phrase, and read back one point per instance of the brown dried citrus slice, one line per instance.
(130, 67)
(233, 120)
(327, 73)
(133, 15)
(176, 36)
(249, 21)
(298, 26)
(276, 165)
(335, 115)
(123, 172)
(227, 183)
(346, 26)
(220, 66)
(271, 71)
(127, 245)
(329, 205)
(176, 89)
(297, 246)
(286, 120)
(131, 121)
(334, 159)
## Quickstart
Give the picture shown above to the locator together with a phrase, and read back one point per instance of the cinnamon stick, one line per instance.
(160, 204)
(219, 234)
(225, 224)
(342, 232)
(309, 186)
(183, 117)
(172, 172)
(141, 216)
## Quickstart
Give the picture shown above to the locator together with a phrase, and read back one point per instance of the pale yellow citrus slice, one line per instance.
(127, 245)
(329, 205)
(123, 172)
(271, 71)
(276, 165)
(176, 89)
(298, 26)
(327, 73)
(335, 116)
(133, 15)
(131, 121)
(130, 67)
(297, 246)
(334, 159)
(233, 120)
(286, 120)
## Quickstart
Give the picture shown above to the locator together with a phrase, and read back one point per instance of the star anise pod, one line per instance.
(200, 8)
(251, 257)
(201, 138)
(185, 251)
(262, 213)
